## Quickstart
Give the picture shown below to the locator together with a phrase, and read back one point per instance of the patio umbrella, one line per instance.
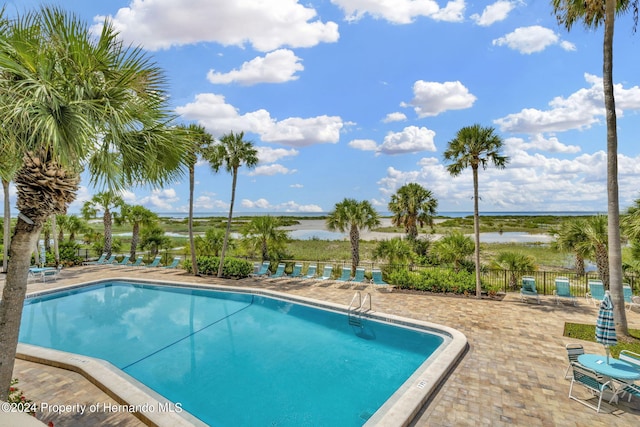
(605, 326)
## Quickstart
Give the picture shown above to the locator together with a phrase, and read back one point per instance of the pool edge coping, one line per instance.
(398, 410)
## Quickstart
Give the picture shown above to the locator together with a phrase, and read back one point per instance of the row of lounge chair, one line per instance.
(327, 273)
(125, 262)
(563, 292)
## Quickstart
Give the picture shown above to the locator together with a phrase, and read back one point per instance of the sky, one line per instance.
(355, 98)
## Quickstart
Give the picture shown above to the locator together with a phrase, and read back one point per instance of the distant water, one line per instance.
(452, 214)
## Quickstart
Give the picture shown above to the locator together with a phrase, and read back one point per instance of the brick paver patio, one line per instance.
(512, 373)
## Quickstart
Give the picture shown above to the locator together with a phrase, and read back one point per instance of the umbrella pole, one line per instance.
(606, 349)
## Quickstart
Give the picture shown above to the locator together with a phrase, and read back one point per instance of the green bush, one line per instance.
(232, 267)
(434, 280)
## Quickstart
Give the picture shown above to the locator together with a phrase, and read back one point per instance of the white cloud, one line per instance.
(289, 206)
(532, 39)
(539, 143)
(160, 199)
(493, 13)
(272, 155)
(278, 66)
(580, 110)
(208, 202)
(296, 186)
(433, 98)
(270, 170)
(266, 25)
(412, 139)
(402, 11)
(363, 144)
(218, 117)
(394, 117)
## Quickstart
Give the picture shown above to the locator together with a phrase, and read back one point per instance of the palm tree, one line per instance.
(516, 263)
(75, 225)
(569, 237)
(264, 234)
(475, 146)
(395, 251)
(153, 239)
(593, 13)
(453, 248)
(75, 100)
(353, 216)
(231, 152)
(412, 206)
(9, 163)
(211, 243)
(595, 244)
(199, 140)
(136, 216)
(105, 202)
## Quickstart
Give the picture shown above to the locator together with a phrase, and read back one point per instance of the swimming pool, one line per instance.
(238, 358)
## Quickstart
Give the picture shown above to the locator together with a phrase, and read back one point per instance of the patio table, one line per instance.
(616, 369)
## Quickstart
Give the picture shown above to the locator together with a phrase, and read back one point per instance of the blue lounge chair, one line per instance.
(359, 277)
(297, 271)
(279, 271)
(633, 359)
(99, 261)
(596, 292)
(138, 262)
(629, 300)
(51, 273)
(376, 278)
(528, 289)
(346, 275)
(155, 262)
(174, 263)
(563, 290)
(311, 272)
(264, 270)
(124, 261)
(326, 273)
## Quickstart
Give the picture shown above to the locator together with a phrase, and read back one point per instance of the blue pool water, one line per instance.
(234, 359)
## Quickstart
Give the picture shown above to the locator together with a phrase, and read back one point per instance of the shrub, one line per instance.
(434, 280)
(232, 267)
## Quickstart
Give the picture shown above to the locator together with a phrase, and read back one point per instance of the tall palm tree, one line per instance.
(475, 146)
(569, 237)
(453, 248)
(9, 164)
(75, 100)
(105, 202)
(353, 216)
(264, 234)
(231, 152)
(199, 140)
(412, 206)
(593, 13)
(516, 263)
(137, 216)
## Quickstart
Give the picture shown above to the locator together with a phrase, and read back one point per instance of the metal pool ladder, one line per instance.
(354, 314)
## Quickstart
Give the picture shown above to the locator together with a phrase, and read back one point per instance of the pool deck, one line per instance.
(512, 373)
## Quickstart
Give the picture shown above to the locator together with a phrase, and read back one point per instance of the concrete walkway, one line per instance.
(512, 373)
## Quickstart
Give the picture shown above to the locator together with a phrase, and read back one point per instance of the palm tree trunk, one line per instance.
(613, 206)
(13, 294)
(579, 264)
(54, 232)
(135, 238)
(6, 241)
(602, 262)
(476, 229)
(192, 243)
(106, 219)
(228, 230)
(354, 236)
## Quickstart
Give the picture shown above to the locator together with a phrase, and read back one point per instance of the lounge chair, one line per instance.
(528, 289)
(376, 278)
(138, 262)
(596, 292)
(155, 262)
(326, 273)
(264, 269)
(359, 277)
(574, 350)
(174, 263)
(100, 260)
(563, 290)
(589, 379)
(279, 271)
(311, 272)
(124, 261)
(297, 271)
(346, 275)
(629, 300)
(51, 273)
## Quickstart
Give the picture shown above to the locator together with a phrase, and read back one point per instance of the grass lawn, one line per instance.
(588, 333)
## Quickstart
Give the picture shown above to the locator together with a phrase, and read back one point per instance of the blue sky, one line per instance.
(355, 98)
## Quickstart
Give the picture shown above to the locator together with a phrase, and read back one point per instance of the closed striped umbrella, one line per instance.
(605, 325)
